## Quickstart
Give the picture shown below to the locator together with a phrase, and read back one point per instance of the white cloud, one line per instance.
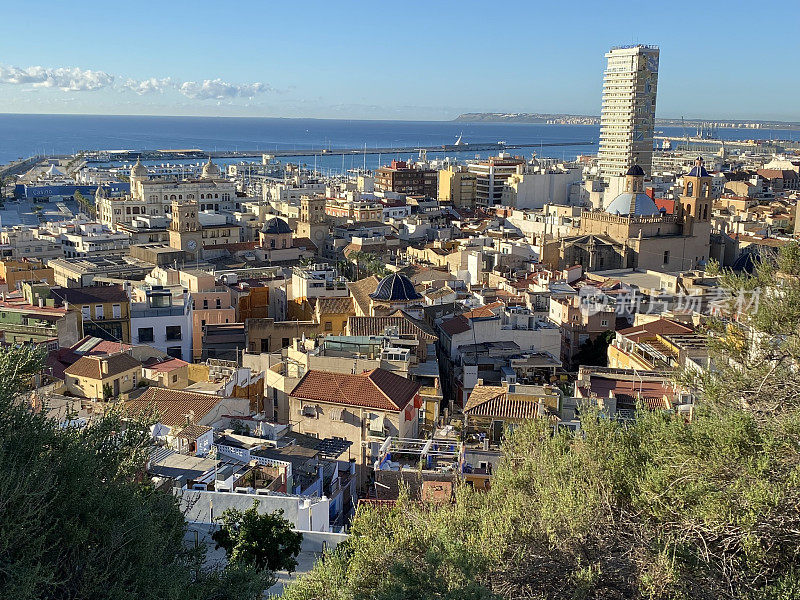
(74, 79)
(67, 79)
(149, 86)
(221, 90)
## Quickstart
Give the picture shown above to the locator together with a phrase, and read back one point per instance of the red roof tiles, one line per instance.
(374, 389)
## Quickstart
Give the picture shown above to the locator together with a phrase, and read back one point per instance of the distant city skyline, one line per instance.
(415, 61)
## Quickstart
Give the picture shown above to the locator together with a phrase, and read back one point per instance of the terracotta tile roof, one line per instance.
(496, 401)
(165, 366)
(405, 324)
(303, 242)
(378, 389)
(173, 406)
(336, 306)
(192, 431)
(654, 327)
(457, 324)
(91, 366)
(361, 289)
(489, 310)
(777, 174)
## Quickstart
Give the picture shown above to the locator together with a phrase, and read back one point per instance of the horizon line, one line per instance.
(418, 120)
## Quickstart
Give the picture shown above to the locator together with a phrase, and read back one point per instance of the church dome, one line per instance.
(698, 170)
(275, 226)
(633, 204)
(210, 170)
(635, 171)
(138, 170)
(395, 288)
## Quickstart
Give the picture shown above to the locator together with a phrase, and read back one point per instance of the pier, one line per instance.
(197, 153)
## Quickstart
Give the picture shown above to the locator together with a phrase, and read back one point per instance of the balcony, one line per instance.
(29, 329)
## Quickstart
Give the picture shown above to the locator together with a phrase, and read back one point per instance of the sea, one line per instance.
(23, 135)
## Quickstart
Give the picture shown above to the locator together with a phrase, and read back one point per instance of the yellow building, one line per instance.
(103, 377)
(332, 314)
(171, 373)
(458, 185)
(104, 309)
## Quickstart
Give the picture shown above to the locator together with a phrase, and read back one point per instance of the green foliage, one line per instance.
(658, 508)
(86, 203)
(595, 351)
(77, 519)
(366, 264)
(264, 542)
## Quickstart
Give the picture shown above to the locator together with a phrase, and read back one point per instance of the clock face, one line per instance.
(191, 244)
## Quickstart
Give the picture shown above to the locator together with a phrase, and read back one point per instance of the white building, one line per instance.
(492, 175)
(93, 239)
(540, 186)
(629, 109)
(163, 322)
(154, 197)
(317, 281)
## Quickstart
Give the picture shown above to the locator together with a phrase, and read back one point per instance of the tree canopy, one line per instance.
(262, 541)
(78, 518)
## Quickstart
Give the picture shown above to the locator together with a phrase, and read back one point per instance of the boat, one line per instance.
(459, 141)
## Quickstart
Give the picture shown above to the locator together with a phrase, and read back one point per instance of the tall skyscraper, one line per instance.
(629, 109)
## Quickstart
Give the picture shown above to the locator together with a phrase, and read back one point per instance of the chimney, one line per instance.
(104, 366)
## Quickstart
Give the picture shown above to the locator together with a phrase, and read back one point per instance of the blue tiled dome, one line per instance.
(636, 171)
(395, 288)
(629, 204)
(276, 226)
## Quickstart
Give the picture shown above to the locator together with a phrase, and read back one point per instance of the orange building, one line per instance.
(27, 269)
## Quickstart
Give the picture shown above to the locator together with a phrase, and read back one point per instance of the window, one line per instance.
(145, 334)
(336, 414)
(219, 303)
(174, 379)
(205, 303)
(328, 326)
(376, 424)
(173, 332)
(85, 313)
(604, 323)
(666, 257)
(175, 352)
(98, 311)
(116, 311)
(309, 410)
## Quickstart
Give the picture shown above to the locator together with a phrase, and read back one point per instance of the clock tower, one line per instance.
(185, 231)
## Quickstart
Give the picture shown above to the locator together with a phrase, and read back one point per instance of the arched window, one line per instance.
(216, 195)
(180, 196)
(202, 196)
(689, 188)
(689, 209)
(705, 212)
(704, 189)
(173, 197)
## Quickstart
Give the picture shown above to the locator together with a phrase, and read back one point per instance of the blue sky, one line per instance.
(404, 60)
